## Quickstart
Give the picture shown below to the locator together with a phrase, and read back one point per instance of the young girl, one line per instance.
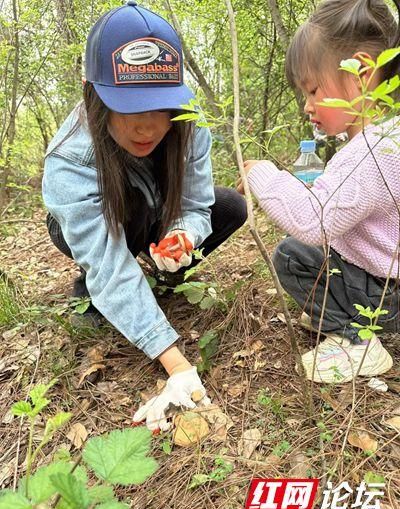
(350, 218)
(121, 178)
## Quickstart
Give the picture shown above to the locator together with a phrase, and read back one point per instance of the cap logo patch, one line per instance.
(147, 60)
(140, 52)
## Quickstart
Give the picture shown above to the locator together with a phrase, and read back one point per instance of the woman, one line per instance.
(120, 177)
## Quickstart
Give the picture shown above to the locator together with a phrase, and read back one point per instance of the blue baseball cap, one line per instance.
(134, 60)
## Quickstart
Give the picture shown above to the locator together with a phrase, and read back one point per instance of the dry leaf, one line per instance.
(257, 346)
(271, 291)
(377, 385)
(92, 365)
(396, 411)
(250, 440)
(190, 429)
(300, 466)
(220, 422)
(363, 440)
(339, 404)
(258, 364)
(394, 422)
(281, 318)
(77, 434)
(237, 389)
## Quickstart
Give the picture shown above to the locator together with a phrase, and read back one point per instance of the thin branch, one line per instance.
(251, 221)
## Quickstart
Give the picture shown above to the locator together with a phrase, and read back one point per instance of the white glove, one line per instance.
(178, 391)
(173, 251)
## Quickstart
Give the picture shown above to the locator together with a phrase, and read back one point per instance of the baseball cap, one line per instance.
(134, 60)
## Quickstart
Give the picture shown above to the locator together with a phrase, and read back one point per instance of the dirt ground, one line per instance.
(253, 381)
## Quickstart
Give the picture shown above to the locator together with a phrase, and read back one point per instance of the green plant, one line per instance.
(281, 449)
(218, 474)
(208, 346)
(271, 403)
(367, 331)
(119, 457)
(325, 435)
(11, 306)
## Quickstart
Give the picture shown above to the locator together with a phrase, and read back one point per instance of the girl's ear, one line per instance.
(365, 69)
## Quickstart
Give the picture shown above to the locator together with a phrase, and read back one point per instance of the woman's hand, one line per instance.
(248, 165)
(173, 251)
(183, 389)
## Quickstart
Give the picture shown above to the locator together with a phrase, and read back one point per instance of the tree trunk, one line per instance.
(11, 131)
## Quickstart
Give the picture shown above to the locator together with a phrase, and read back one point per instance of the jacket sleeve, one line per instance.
(115, 281)
(198, 189)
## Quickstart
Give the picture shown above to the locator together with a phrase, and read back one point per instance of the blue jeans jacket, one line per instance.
(115, 281)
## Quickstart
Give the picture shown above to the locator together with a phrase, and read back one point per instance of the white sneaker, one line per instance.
(338, 360)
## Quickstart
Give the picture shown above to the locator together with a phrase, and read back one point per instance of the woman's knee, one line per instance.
(232, 204)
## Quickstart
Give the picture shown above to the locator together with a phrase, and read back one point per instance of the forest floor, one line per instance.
(252, 380)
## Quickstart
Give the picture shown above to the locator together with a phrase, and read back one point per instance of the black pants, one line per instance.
(302, 273)
(228, 213)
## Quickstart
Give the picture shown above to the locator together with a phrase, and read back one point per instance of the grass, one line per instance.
(11, 302)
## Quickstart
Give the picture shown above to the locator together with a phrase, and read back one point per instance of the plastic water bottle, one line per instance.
(308, 166)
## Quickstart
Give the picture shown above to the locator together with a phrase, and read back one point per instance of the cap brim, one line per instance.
(140, 99)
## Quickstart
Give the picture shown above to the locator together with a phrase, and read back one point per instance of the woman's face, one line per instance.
(139, 133)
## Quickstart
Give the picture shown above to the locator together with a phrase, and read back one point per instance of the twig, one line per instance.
(251, 221)
(21, 418)
(21, 220)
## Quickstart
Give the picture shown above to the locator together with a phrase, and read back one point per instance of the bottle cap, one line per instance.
(307, 146)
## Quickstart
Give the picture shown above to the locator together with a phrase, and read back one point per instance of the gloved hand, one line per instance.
(179, 390)
(173, 251)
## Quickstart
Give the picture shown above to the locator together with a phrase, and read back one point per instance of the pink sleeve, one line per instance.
(339, 199)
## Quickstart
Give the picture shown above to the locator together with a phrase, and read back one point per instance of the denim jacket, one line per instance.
(115, 281)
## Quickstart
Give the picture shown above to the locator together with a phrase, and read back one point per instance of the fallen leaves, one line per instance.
(220, 422)
(92, 365)
(250, 440)
(394, 422)
(300, 466)
(363, 440)
(190, 429)
(77, 434)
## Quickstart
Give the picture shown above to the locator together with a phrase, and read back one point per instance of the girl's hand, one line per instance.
(173, 251)
(183, 389)
(248, 165)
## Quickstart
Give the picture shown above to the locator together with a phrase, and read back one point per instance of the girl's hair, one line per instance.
(336, 31)
(114, 163)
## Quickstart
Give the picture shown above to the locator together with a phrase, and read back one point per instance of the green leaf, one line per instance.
(72, 490)
(386, 87)
(41, 487)
(371, 477)
(208, 302)
(359, 307)
(188, 117)
(335, 103)
(120, 456)
(38, 392)
(386, 56)
(199, 480)
(101, 494)
(62, 454)
(113, 504)
(82, 307)
(152, 281)
(368, 61)
(14, 501)
(208, 338)
(357, 325)
(166, 446)
(365, 333)
(21, 408)
(281, 448)
(55, 423)
(375, 327)
(194, 295)
(351, 65)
